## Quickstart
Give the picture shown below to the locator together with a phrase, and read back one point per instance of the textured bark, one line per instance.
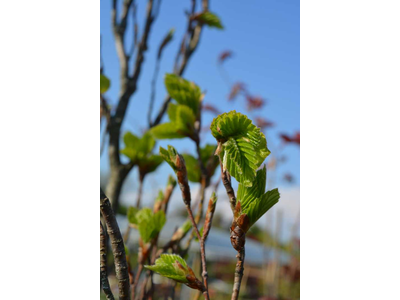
(117, 246)
(105, 285)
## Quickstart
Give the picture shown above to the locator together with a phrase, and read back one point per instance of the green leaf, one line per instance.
(169, 156)
(160, 196)
(183, 91)
(167, 266)
(244, 145)
(137, 148)
(185, 120)
(149, 164)
(172, 108)
(210, 19)
(192, 167)
(131, 140)
(247, 194)
(260, 206)
(131, 214)
(104, 84)
(149, 223)
(167, 131)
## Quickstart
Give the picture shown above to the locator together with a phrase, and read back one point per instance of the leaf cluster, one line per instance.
(182, 115)
(138, 150)
(148, 223)
(242, 146)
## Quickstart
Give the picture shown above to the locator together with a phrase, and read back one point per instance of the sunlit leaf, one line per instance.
(210, 19)
(171, 266)
(104, 84)
(244, 145)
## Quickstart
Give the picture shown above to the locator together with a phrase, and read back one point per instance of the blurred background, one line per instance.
(251, 66)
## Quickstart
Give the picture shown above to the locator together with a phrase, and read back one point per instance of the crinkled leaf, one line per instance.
(166, 266)
(104, 84)
(167, 131)
(247, 194)
(260, 206)
(244, 145)
(183, 91)
(210, 19)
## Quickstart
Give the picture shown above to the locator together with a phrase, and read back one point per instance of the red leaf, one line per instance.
(295, 139)
(235, 90)
(254, 102)
(224, 55)
(210, 108)
(263, 123)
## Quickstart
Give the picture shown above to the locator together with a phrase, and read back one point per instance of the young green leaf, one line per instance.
(167, 131)
(149, 164)
(183, 91)
(149, 223)
(209, 19)
(193, 168)
(171, 266)
(244, 147)
(132, 211)
(259, 207)
(254, 202)
(137, 148)
(104, 84)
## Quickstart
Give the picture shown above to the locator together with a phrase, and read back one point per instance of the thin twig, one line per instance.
(238, 274)
(105, 285)
(187, 49)
(117, 245)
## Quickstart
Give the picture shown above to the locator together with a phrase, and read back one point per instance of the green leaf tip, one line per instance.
(171, 266)
(244, 146)
(210, 19)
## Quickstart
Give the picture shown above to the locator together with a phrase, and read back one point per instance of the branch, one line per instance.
(185, 189)
(238, 274)
(117, 245)
(105, 285)
(226, 180)
(187, 50)
(162, 46)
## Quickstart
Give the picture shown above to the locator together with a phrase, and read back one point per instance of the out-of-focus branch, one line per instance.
(166, 40)
(105, 285)
(117, 246)
(186, 49)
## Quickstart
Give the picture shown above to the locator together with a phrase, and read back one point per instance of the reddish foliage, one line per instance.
(254, 102)
(295, 139)
(210, 108)
(263, 123)
(224, 55)
(288, 177)
(236, 89)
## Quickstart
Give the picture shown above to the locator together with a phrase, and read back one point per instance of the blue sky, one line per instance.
(265, 39)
